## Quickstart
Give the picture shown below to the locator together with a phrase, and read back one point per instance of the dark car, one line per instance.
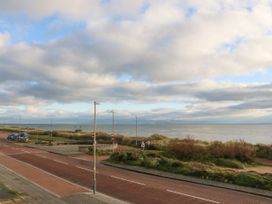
(13, 136)
(20, 137)
(23, 137)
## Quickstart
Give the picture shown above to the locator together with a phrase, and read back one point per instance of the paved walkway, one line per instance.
(52, 183)
(39, 187)
(30, 193)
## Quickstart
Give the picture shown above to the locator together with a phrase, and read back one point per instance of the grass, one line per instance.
(46, 138)
(6, 193)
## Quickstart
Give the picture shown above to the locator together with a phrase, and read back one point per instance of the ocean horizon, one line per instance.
(252, 133)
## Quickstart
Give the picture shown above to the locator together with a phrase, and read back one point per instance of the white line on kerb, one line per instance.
(123, 179)
(191, 196)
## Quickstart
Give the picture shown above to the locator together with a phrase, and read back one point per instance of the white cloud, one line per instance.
(4, 39)
(156, 44)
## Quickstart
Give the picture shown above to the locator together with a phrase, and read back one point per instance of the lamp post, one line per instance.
(112, 122)
(136, 128)
(20, 123)
(94, 149)
(51, 132)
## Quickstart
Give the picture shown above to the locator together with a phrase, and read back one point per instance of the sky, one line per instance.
(175, 61)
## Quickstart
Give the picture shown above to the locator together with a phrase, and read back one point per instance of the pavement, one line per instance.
(36, 186)
(31, 193)
(70, 150)
(117, 183)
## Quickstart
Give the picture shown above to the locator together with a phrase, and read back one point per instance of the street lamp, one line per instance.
(94, 149)
(112, 122)
(136, 129)
(51, 133)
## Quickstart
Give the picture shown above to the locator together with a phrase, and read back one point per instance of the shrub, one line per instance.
(239, 150)
(216, 149)
(264, 151)
(157, 137)
(187, 149)
(254, 180)
(229, 163)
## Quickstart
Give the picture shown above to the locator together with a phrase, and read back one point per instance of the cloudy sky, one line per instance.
(176, 61)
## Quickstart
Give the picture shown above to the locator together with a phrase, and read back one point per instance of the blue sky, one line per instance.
(162, 60)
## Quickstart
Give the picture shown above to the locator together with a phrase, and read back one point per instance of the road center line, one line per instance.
(25, 151)
(79, 167)
(191, 196)
(43, 157)
(56, 160)
(123, 179)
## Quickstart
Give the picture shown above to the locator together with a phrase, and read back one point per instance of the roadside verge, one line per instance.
(191, 179)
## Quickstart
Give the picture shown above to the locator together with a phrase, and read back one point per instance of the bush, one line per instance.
(187, 149)
(254, 180)
(228, 163)
(264, 151)
(123, 157)
(157, 137)
(216, 149)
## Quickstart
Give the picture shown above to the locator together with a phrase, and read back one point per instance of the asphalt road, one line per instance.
(126, 185)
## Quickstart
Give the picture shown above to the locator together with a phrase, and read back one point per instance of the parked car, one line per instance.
(23, 137)
(13, 137)
(20, 137)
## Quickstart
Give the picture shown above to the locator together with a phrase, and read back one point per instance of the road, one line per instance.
(124, 185)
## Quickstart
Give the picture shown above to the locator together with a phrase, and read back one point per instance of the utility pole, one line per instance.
(112, 122)
(136, 117)
(94, 149)
(51, 133)
(20, 123)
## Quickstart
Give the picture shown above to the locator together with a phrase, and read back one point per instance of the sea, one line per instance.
(251, 133)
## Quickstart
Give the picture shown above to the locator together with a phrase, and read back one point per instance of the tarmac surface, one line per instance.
(118, 183)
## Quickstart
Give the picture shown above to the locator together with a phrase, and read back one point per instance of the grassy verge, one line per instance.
(155, 160)
(7, 194)
(46, 138)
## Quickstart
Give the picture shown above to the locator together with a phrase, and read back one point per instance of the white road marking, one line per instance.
(86, 169)
(25, 151)
(123, 179)
(56, 160)
(44, 157)
(191, 196)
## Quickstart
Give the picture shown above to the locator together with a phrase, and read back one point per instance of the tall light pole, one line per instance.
(112, 122)
(94, 149)
(51, 133)
(20, 123)
(136, 128)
